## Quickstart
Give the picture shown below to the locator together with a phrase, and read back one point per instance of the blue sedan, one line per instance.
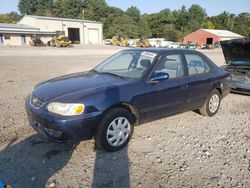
(131, 87)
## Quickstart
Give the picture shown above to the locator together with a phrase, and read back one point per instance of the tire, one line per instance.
(109, 137)
(212, 104)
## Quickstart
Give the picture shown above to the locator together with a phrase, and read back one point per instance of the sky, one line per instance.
(152, 6)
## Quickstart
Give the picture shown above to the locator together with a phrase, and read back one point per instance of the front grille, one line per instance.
(36, 102)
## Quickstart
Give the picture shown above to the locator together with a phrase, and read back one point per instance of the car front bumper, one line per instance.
(240, 85)
(62, 129)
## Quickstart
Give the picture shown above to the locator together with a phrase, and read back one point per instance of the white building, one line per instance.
(78, 31)
(19, 34)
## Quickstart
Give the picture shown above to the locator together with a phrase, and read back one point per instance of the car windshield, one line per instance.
(127, 64)
(239, 63)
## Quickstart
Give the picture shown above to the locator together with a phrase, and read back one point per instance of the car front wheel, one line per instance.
(212, 104)
(115, 130)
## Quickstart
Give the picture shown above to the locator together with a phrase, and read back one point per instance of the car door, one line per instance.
(169, 96)
(200, 79)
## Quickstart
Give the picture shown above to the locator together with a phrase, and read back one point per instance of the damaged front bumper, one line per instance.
(240, 84)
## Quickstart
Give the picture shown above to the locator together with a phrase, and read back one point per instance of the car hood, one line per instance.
(78, 82)
(236, 50)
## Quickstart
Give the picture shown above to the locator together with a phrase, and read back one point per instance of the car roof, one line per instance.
(161, 50)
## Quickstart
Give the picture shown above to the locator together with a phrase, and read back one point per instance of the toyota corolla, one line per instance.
(131, 87)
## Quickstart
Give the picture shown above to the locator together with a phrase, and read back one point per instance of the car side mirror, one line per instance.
(159, 77)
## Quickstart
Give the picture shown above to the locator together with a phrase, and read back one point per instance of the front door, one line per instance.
(169, 96)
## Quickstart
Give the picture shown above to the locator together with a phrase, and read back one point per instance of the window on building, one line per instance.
(1, 39)
(196, 64)
(7, 37)
(23, 39)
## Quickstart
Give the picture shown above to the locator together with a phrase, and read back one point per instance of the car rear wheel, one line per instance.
(115, 130)
(212, 104)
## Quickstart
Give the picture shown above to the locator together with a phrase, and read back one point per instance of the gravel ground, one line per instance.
(186, 150)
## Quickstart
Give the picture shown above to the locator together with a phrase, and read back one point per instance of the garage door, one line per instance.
(93, 36)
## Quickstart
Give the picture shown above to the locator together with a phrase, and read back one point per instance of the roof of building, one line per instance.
(22, 29)
(62, 19)
(223, 33)
(17, 26)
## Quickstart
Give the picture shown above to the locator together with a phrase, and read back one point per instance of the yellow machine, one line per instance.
(36, 41)
(142, 42)
(60, 41)
(119, 41)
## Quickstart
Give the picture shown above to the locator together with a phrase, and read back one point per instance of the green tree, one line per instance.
(95, 9)
(113, 13)
(242, 24)
(208, 25)
(224, 20)
(36, 7)
(11, 17)
(196, 17)
(182, 18)
(143, 28)
(157, 22)
(134, 13)
(123, 25)
(68, 8)
(170, 33)
(139, 21)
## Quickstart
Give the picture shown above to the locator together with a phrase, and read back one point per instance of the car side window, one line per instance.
(196, 64)
(171, 64)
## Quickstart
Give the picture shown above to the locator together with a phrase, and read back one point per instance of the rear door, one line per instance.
(200, 79)
(169, 96)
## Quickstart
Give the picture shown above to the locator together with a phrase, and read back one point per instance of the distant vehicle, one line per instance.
(119, 41)
(36, 41)
(192, 45)
(132, 87)
(156, 42)
(131, 42)
(173, 45)
(203, 47)
(108, 41)
(183, 46)
(142, 42)
(237, 56)
(164, 44)
(207, 47)
(217, 45)
(59, 41)
(210, 46)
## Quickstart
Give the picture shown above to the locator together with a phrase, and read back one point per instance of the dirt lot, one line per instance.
(185, 150)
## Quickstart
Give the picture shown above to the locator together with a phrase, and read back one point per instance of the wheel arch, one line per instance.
(219, 89)
(217, 86)
(133, 110)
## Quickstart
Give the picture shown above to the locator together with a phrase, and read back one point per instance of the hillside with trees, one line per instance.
(172, 25)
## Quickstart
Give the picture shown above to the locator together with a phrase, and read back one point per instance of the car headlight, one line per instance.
(66, 109)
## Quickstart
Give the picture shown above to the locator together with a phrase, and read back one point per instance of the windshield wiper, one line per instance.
(112, 74)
